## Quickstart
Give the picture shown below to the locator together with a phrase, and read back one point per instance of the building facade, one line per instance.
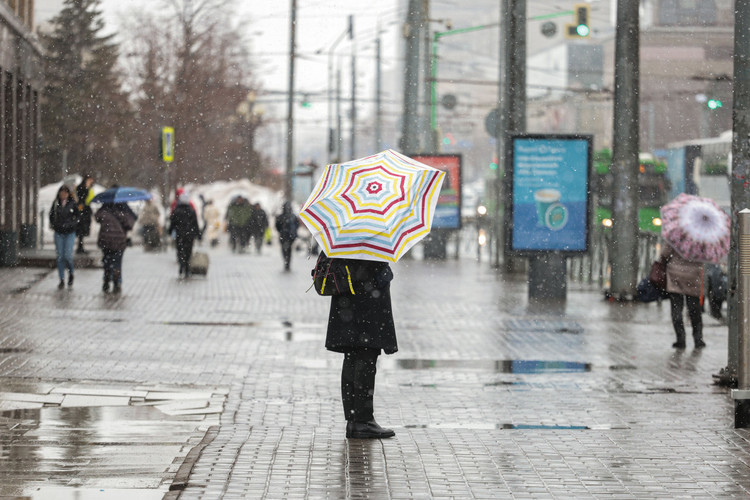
(21, 82)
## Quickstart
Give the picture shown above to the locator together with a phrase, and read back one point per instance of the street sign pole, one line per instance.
(166, 151)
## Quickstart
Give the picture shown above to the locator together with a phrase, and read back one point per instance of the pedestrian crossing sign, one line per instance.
(167, 144)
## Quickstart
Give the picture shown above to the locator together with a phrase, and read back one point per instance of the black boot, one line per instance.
(367, 430)
(357, 391)
(698, 338)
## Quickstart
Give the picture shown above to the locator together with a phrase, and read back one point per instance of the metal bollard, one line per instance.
(741, 395)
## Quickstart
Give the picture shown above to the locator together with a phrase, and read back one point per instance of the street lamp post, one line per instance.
(290, 103)
(331, 136)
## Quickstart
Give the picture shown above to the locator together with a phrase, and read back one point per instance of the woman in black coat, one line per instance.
(360, 326)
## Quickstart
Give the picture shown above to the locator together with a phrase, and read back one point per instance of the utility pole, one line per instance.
(353, 141)
(497, 185)
(410, 119)
(378, 91)
(625, 152)
(331, 133)
(740, 192)
(429, 133)
(290, 115)
(338, 115)
(513, 111)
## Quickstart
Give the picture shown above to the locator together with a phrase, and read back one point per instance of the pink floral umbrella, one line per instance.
(696, 228)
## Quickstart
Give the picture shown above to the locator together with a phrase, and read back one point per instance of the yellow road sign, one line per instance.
(167, 144)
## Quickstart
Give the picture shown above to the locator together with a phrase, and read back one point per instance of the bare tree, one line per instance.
(191, 69)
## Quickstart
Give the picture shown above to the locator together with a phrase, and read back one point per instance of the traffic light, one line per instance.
(580, 27)
(713, 104)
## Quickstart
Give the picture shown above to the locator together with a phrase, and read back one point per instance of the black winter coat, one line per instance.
(184, 221)
(84, 222)
(366, 318)
(287, 225)
(116, 220)
(64, 220)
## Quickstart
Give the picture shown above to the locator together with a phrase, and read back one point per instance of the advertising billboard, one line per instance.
(448, 210)
(550, 206)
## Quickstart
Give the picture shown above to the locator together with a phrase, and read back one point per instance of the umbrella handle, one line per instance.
(701, 296)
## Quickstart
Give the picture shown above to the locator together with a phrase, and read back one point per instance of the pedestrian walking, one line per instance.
(64, 219)
(151, 228)
(238, 216)
(287, 225)
(184, 223)
(695, 231)
(84, 194)
(211, 223)
(115, 219)
(685, 286)
(258, 226)
(361, 326)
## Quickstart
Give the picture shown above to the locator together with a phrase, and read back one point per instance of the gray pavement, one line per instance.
(219, 387)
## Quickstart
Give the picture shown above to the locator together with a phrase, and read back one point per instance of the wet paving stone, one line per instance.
(490, 397)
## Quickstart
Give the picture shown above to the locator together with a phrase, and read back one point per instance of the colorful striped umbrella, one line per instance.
(374, 208)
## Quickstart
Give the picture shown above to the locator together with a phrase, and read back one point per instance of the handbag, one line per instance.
(648, 292)
(332, 277)
(658, 274)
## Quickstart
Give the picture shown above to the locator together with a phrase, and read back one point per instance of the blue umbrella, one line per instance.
(121, 195)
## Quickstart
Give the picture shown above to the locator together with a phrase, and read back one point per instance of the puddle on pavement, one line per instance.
(99, 441)
(91, 493)
(497, 366)
(542, 325)
(13, 350)
(283, 330)
(501, 426)
(93, 452)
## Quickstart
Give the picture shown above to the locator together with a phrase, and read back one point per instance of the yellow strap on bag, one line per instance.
(349, 278)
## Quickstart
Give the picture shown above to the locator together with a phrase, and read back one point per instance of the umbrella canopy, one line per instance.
(696, 228)
(121, 195)
(373, 208)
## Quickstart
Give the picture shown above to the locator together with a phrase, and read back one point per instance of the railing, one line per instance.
(596, 268)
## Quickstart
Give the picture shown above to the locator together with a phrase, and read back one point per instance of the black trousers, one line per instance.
(286, 252)
(677, 302)
(184, 252)
(358, 384)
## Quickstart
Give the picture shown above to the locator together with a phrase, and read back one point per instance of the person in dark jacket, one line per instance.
(85, 194)
(361, 326)
(116, 219)
(287, 225)
(184, 223)
(258, 226)
(63, 219)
